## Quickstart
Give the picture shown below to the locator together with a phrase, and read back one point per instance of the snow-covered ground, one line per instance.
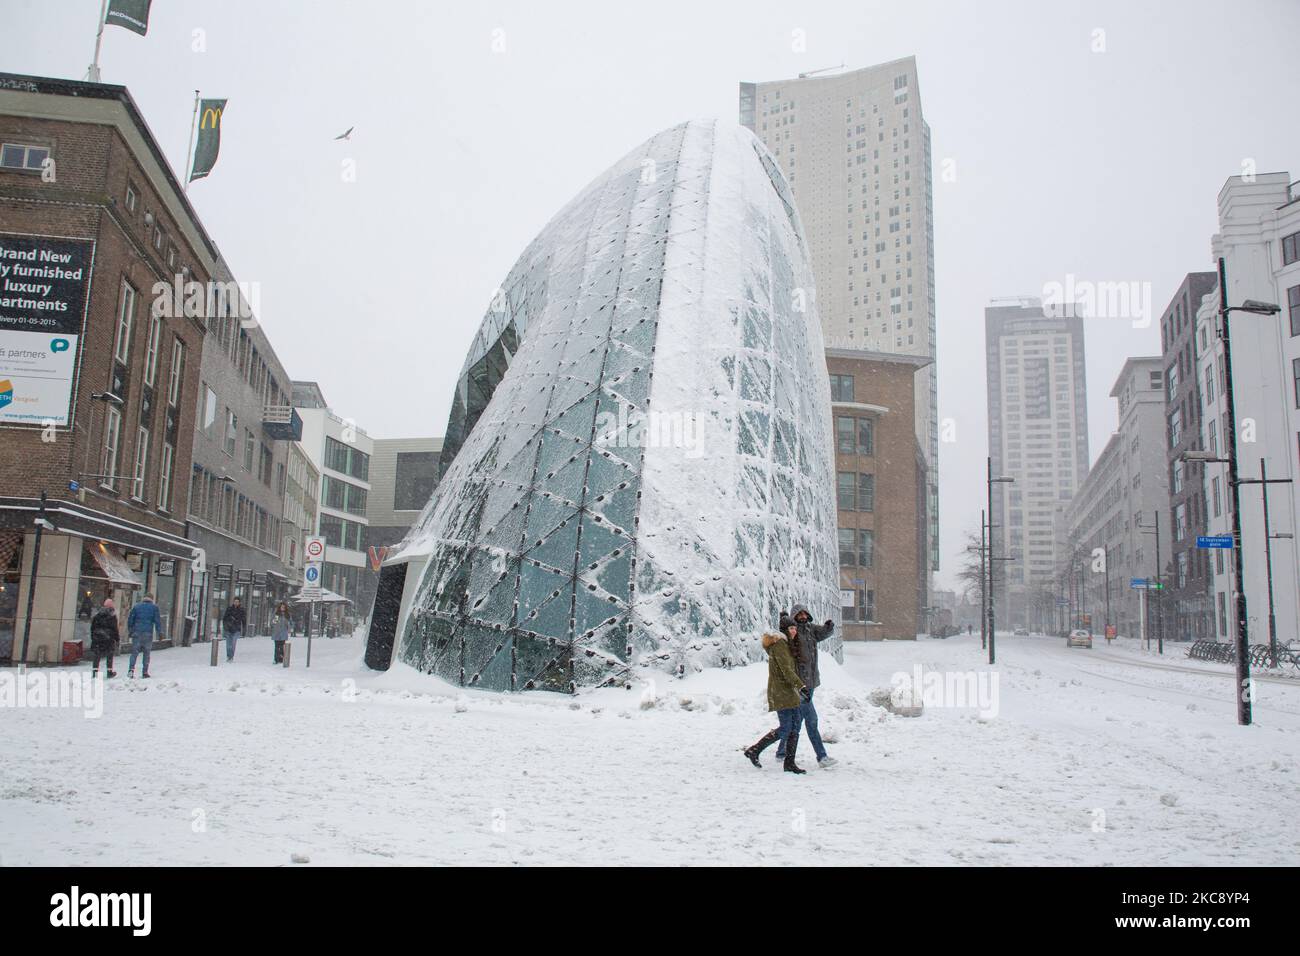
(1108, 756)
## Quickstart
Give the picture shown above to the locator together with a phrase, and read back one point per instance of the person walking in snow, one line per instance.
(804, 638)
(104, 636)
(141, 625)
(281, 631)
(784, 692)
(232, 622)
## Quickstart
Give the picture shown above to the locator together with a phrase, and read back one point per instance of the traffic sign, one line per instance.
(311, 590)
(1214, 541)
(1138, 584)
(314, 549)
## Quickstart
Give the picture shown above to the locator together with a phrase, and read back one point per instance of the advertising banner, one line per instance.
(44, 292)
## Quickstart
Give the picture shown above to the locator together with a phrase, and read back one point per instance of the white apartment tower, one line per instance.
(1259, 239)
(856, 151)
(1038, 435)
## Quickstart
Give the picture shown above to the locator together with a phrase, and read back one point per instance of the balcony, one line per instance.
(282, 422)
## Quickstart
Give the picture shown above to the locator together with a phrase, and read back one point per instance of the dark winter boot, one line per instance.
(766, 741)
(791, 745)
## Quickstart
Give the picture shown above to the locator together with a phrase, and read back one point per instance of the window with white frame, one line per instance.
(125, 316)
(112, 434)
(141, 463)
(151, 353)
(165, 479)
(174, 378)
(23, 156)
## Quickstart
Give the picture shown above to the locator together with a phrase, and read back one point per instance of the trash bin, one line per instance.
(72, 652)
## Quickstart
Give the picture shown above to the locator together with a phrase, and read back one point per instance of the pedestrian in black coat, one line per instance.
(104, 636)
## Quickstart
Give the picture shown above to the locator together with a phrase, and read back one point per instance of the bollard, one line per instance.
(213, 662)
(285, 657)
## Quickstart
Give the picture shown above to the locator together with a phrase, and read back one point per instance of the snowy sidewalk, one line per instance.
(1091, 759)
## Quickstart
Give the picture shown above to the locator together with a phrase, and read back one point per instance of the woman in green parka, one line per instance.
(785, 691)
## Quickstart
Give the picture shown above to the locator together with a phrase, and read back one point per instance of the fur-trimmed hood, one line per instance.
(770, 639)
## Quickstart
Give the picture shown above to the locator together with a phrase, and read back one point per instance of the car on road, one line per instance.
(1021, 632)
(1079, 638)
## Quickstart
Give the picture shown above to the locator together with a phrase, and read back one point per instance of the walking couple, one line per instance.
(792, 676)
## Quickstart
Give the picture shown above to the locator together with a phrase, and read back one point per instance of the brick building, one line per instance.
(1187, 608)
(245, 428)
(881, 494)
(101, 401)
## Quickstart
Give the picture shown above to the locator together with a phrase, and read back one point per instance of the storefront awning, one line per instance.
(113, 564)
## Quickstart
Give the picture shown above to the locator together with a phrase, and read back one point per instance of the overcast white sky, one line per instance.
(1101, 164)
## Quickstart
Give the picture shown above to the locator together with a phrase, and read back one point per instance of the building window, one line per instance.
(125, 316)
(165, 479)
(112, 433)
(1295, 376)
(20, 156)
(845, 432)
(151, 353)
(841, 388)
(848, 547)
(866, 547)
(130, 198)
(866, 492)
(174, 378)
(232, 432)
(846, 483)
(249, 444)
(1223, 614)
(866, 436)
(1215, 496)
(346, 459)
(1293, 308)
(141, 463)
(416, 478)
(1290, 248)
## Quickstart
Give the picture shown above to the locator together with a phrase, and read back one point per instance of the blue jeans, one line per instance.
(140, 644)
(787, 724)
(231, 637)
(808, 714)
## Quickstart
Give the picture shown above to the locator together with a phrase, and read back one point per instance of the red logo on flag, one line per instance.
(377, 556)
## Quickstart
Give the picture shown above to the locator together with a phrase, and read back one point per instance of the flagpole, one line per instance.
(93, 73)
(189, 150)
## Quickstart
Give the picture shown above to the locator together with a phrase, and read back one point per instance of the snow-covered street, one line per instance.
(1108, 756)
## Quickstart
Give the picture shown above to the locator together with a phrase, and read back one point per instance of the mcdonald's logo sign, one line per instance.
(208, 143)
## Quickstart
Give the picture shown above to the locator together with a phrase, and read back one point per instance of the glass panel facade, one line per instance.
(638, 464)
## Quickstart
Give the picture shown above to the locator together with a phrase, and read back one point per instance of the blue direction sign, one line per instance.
(313, 574)
(1139, 584)
(1214, 541)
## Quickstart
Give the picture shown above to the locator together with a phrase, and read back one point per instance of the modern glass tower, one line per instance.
(638, 464)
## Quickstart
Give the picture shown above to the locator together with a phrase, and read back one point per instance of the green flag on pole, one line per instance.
(209, 140)
(131, 14)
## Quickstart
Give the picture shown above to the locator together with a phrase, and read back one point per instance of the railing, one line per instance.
(1261, 655)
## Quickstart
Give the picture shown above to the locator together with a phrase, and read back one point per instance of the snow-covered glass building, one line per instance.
(638, 465)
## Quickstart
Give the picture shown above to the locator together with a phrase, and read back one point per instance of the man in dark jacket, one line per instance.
(806, 637)
(141, 624)
(232, 622)
(104, 636)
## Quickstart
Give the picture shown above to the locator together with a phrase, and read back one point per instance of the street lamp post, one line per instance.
(984, 614)
(1156, 620)
(1264, 481)
(1230, 439)
(992, 617)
